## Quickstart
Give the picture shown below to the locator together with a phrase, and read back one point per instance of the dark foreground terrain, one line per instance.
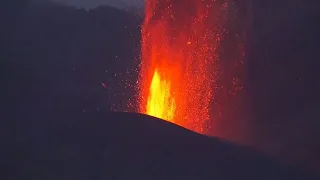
(127, 146)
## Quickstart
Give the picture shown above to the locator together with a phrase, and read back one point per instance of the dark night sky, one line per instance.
(95, 3)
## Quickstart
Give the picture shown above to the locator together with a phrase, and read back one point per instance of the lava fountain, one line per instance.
(178, 73)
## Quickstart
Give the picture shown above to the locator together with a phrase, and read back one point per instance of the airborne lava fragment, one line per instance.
(179, 60)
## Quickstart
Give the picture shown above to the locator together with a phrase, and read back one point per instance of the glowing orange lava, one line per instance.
(160, 101)
(179, 60)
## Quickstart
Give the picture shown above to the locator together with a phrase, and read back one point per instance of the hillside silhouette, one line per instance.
(104, 145)
(65, 54)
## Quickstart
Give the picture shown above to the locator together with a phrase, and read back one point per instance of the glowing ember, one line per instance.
(179, 60)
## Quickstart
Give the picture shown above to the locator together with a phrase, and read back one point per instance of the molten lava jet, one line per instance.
(179, 62)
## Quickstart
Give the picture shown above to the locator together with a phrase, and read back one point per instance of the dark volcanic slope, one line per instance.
(127, 146)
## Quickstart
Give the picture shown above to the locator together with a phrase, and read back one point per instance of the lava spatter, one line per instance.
(179, 62)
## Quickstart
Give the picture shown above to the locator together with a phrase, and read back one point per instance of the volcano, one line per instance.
(105, 145)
